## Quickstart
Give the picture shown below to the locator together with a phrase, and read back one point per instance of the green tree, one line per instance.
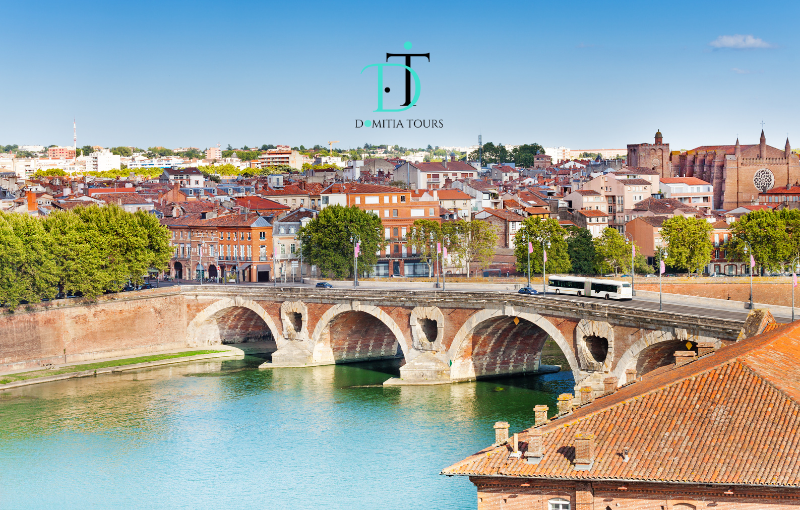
(471, 241)
(612, 252)
(159, 152)
(13, 284)
(580, 247)
(122, 151)
(523, 155)
(688, 242)
(35, 272)
(86, 150)
(423, 236)
(773, 236)
(78, 254)
(326, 240)
(534, 230)
(50, 172)
(640, 264)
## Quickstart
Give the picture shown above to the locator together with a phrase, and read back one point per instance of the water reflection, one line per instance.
(224, 434)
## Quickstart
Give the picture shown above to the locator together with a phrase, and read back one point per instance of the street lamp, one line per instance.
(436, 263)
(633, 254)
(661, 268)
(747, 249)
(528, 247)
(544, 241)
(354, 240)
(794, 280)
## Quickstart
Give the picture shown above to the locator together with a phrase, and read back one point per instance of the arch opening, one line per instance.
(597, 347)
(430, 329)
(178, 268)
(359, 336)
(502, 345)
(237, 325)
(660, 355)
(296, 319)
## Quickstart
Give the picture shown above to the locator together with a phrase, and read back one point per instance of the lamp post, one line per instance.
(748, 249)
(633, 254)
(444, 274)
(528, 248)
(436, 263)
(275, 263)
(661, 269)
(794, 280)
(354, 240)
(545, 242)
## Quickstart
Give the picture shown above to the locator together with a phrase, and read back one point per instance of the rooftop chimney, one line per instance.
(610, 384)
(684, 357)
(586, 394)
(540, 414)
(31, 196)
(584, 451)
(704, 348)
(564, 403)
(630, 375)
(535, 451)
(501, 432)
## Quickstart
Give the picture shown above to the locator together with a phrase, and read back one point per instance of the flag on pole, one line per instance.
(438, 247)
(633, 250)
(663, 268)
(752, 261)
(530, 247)
(545, 255)
(794, 280)
(358, 248)
(444, 252)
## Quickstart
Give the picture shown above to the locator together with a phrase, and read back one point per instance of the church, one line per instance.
(737, 172)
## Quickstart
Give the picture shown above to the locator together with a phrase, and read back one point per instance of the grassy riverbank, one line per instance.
(552, 355)
(34, 374)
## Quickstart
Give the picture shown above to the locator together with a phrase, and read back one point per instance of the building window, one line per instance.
(394, 199)
(387, 233)
(402, 198)
(394, 232)
(558, 504)
(394, 213)
(262, 236)
(358, 200)
(248, 237)
(291, 248)
(431, 211)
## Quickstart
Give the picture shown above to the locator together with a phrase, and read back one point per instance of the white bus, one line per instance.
(591, 287)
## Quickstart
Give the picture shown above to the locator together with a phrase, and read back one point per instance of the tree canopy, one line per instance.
(422, 237)
(88, 250)
(688, 242)
(534, 230)
(612, 252)
(326, 240)
(580, 247)
(774, 237)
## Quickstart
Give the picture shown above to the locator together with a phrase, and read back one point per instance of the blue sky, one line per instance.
(582, 74)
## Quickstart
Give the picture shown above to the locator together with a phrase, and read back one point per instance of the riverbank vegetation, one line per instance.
(35, 374)
(86, 251)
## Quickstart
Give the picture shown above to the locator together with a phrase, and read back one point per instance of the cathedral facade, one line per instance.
(738, 172)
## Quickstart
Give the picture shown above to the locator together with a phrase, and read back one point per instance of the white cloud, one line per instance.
(739, 42)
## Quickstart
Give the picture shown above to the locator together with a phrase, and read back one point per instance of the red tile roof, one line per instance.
(259, 204)
(730, 417)
(635, 182)
(452, 194)
(586, 192)
(359, 188)
(593, 213)
(504, 213)
(693, 181)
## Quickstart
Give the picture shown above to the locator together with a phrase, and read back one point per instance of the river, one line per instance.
(222, 435)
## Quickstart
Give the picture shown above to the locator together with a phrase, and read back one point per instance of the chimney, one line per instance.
(535, 451)
(540, 415)
(630, 375)
(31, 196)
(584, 451)
(704, 348)
(564, 403)
(610, 384)
(501, 432)
(684, 357)
(586, 394)
(515, 443)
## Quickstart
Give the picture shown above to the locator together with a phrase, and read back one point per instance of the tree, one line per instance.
(326, 240)
(86, 150)
(533, 230)
(612, 252)
(471, 241)
(267, 147)
(640, 264)
(122, 151)
(688, 242)
(523, 155)
(191, 154)
(423, 236)
(35, 272)
(773, 236)
(580, 246)
(50, 172)
(78, 253)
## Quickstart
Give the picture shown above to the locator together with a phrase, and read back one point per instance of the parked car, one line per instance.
(324, 285)
(528, 290)
(717, 275)
(146, 285)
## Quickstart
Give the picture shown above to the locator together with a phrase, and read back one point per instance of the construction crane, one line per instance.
(330, 152)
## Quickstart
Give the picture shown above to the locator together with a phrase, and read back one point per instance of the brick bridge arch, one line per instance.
(377, 337)
(463, 369)
(211, 324)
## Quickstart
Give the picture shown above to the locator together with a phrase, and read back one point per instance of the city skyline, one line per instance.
(580, 76)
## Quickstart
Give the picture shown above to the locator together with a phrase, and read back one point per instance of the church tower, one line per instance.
(762, 149)
(737, 149)
(787, 151)
(659, 138)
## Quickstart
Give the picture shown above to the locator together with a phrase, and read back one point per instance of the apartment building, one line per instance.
(690, 190)
(61, 153)
(282, 155)
(102, 161)
(433, 175)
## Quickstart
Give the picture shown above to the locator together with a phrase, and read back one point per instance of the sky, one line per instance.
(580, 74)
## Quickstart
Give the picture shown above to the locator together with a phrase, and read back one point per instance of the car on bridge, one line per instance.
(528, 290)
(323, 285)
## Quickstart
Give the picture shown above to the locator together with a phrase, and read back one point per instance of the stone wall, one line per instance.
(68, 331)
(766, 290)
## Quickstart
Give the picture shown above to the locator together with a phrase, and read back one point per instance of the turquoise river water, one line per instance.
(219, 435)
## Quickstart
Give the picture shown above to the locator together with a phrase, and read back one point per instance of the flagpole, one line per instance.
(530, 249)
(794, 281)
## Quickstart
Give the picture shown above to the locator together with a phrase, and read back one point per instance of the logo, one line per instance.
(410, 100)
(409, 74)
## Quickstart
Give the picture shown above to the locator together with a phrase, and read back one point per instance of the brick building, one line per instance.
(655, 156)
(714, 431)
(506, 223)
(61, 153)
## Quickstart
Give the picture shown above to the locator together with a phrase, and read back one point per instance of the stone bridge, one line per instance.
(448, 336)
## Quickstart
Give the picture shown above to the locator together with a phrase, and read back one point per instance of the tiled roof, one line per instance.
(721, 225)
(452, 166)
(635, 182)
(592, 213)
(259, 203)
(730, 417)
(537, 210)
(452, 194)
(636, 171)
(238, 220)
(780, 190)
(586, 192)
(183, 171)
(663, 206)
(692, 181)
(296, 216)
(655, 221)
(504, 213)
(120, 198)
(359, 188)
